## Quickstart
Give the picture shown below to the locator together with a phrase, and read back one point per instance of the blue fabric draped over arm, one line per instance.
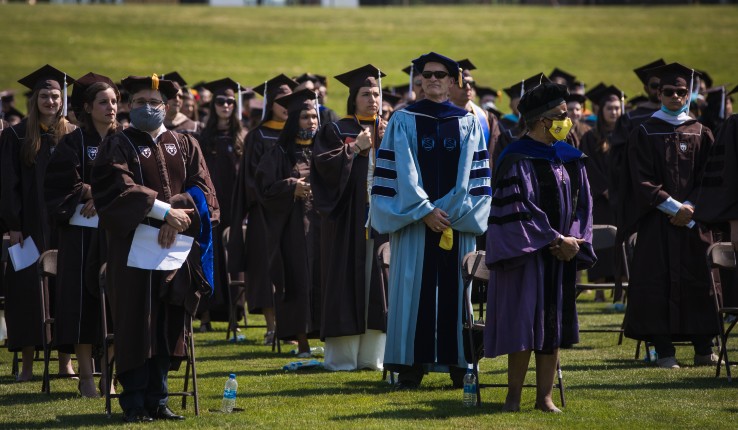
(205, 239)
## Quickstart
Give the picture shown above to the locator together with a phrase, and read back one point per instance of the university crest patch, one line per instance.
(92, 152)
(145, 151)
(683, 146)
(171, 148)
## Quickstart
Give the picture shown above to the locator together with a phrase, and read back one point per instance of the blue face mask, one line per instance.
(675, 112)
(306, 134)
(147, 118)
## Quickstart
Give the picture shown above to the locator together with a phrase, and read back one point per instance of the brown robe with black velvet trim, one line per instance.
(23, 209)
(339, 184)
(669, 292)
(151, 309)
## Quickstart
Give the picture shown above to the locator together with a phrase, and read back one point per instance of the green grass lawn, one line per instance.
(606, 388)
(251, 44)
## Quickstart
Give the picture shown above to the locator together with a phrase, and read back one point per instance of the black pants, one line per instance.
(415, 373)
(665, 348)
(146, 386)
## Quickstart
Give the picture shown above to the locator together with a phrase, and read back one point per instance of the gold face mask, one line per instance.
(560, 128)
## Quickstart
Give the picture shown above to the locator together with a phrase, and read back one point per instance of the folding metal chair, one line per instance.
(721, 255)
(605, 237)
(475, 269)
(234, 285)
(3, 263)
(109, 363)
(383, 262)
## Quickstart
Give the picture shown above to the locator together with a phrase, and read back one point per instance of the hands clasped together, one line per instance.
(177, 221)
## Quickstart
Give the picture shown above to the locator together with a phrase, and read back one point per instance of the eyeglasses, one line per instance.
(559, 117)
(154, 103)
(668, 92)
(224, 101)
(438, 74)
(471, 84)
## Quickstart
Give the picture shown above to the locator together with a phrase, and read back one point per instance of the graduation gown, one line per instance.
(222, 164)
(354, 299)
(151, 309)
(669, 292)
(432, 155)
(23, 209)
(598, 173)
(250, 256)
(292, 225)
(540, 192)
(183, 124)
(77, 319)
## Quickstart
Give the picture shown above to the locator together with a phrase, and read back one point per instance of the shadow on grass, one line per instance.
(435, 409)
(604, 365)
(68, 422)
(32, 398)
(681, 384)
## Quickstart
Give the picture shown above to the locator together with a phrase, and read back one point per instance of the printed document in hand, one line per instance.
(23, 257)
(81, 220)
(146, 253)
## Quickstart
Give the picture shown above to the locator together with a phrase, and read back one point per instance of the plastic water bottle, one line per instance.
(229, 394)
(470, 388)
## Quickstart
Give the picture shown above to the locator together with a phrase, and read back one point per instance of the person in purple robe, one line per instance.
(539, 235)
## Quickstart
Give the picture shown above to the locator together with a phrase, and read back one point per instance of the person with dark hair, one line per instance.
(174, 119)
(147, 177)
(221, 142)
(669, 296)
(25, 150)
(293, 224)
(575, 109)
(539, 235)
(249, 256)
(431, 193)
(68, 191)
(353, 304)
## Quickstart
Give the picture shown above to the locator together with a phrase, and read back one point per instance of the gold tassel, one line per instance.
(154, 82)
(447, 239)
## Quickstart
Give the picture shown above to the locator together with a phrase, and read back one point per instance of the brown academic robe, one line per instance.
(339, 184)
(22, 208)
(293, 229)
(249, 256)
(597, 166)
(77, 319)
(222, 162)
(669, 292)
(183, 124)
(151, 309)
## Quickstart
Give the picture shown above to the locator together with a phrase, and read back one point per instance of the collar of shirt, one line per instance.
(673, 120)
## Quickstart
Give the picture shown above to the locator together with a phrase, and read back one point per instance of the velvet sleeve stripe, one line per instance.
(378, 190)
(381, 172)
(386, 154)
(507, 182)
(515, 217)
(481, 191)
(485, 173)
(715, 166)
(481, 155)
(504, 201)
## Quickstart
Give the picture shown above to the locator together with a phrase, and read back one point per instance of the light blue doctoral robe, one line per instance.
(400, 200)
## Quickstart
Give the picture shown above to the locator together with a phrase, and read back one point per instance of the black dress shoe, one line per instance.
(137, 415)
(406, 385)
(164, 413)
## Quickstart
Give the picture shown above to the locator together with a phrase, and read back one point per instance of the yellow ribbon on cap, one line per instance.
(154, 82)
(447, 239)
(461, 80)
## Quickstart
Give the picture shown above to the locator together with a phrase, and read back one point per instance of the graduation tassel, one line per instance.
(691, 87)
(64, 95)
(317, 108)
(264, 107)
(522, 91)
(410, 89)
(622, 103)
(379, 79)
(722, 102)
(239, 103)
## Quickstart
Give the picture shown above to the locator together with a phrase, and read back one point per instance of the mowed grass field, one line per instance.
(253, 44)
(606, 387)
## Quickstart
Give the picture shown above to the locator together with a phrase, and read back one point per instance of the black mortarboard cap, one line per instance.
(176, 78)
(451, 66)
(7, 96)
(364, 76)
(487, 91)
(298, 101)
(558, 73)
(644, 73)
(313, 78)
(541, 99)
(133, 84)
(46, 77)
(594, 94)
(515, 90)
(276, 86)
(407, 70)
(734, 90)
(392, 99)
(576, 98)
(674, 74)
(81, 86)
(222, 87)
(634, 101)
(465, 64)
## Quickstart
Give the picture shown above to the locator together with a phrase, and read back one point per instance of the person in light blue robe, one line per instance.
(431, 193)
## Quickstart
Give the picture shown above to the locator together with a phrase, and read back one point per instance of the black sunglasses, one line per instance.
(471, 84)
(560, 117)
(439, 74)
(223, 101)
(668, 92)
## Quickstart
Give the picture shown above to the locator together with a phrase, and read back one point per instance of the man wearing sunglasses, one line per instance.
(175, 120)
(462, 96)
(431, 193)
(669, 296)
